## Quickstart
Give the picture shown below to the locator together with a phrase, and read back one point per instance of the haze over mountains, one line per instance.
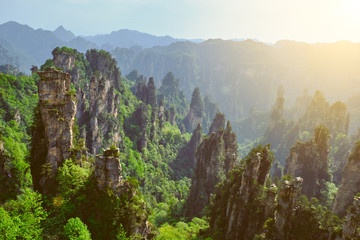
(128, 135)
(25, 46)
(239, 75)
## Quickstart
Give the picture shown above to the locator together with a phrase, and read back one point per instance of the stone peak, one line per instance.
(51, 73)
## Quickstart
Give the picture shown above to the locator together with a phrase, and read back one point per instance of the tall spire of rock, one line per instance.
(57, 108)
(278, 108)
(350, 183)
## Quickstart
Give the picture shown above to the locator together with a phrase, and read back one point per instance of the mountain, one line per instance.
(236, 74)
(63, 34)
(23, 46)
(37, 44)
(127, 38)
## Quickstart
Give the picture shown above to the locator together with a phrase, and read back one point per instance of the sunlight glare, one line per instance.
(351, 9)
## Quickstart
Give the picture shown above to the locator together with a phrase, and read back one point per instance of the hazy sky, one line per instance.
(266, 20)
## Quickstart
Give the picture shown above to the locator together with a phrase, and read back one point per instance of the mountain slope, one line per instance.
(127, 38)
(63, 34)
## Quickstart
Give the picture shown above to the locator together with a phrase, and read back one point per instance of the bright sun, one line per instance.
(352, 9)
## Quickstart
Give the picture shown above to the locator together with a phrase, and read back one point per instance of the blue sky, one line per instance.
(266, 20)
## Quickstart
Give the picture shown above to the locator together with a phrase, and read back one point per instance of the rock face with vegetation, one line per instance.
(350, 184)
(237, 211)
(173, 96)
(108, 169)
(276, 130)
(57, 107)
(215, 157)
(288, 197)
(309, 160)
(146, 92)
(351, 225)
(278, 109)
(97, 81)
(103, 100)
(218, 122)
(196, 113)
(108, 175)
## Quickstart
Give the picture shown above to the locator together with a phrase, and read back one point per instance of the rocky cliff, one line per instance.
(238, 211)
(277, 129)
(185, 161)
(278, 109)
(196, 112)
(215, 157)
(146, 92)
(287, 200)
(108, 169)
(57, 108)
(309, 160)
(98, 83)
(351, 225)
(108, 176)
(318, 112)
(218, 122)
(350, 183)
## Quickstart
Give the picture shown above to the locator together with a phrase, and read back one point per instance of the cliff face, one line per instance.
(57, 107)
(237, 211)
(350, 183)
(146, 92)
(288, 197)
(186, 158)
(351, 225)
(215, 157)
(218, 122)
(108, 175)
(278, 109)
(103, 109)
(141, 119)
(301, 105)
(97, 81)
(196, 113)
(318, 112)
(309, 161)
(210, 111)
(108, 169)
(103, 102)
(277, 129)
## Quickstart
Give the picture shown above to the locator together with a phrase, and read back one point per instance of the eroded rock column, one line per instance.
(57, 107)
(108, 169)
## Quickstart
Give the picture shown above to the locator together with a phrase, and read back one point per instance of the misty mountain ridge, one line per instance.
(33, 47)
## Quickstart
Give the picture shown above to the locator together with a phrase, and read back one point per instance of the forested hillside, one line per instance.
(88, 153)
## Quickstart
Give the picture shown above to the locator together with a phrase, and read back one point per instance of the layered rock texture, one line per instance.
(237, 211)
(215, 157)
(98, 83)
(196, 113)
(218, 122)
(318, 112)
(146, 92)
(288, 197)
(108, 169)
(108, 176)
(351, 225)
(309, 160)
(185, 161)
(350, 184)
(276, 131)
(58, 108)
(278, 109)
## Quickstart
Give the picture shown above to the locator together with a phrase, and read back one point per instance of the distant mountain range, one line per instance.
(23, 46)
(238, 75)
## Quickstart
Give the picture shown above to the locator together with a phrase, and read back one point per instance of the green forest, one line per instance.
(87, 153)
